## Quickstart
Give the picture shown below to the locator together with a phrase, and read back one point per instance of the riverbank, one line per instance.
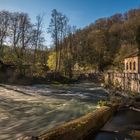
(129, 99)
(34, 80)
(51, 78)
(125, 124)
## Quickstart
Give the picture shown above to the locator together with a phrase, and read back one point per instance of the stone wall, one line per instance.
(125, 81)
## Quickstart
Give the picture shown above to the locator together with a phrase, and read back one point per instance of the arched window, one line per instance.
(134, 66)
(126, 66)
(130, 66)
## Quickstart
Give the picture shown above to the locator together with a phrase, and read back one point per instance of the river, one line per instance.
(29, 110)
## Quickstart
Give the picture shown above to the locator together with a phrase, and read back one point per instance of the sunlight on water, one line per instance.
(41, 107)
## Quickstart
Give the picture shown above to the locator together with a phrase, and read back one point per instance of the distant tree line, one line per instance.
(98, 47)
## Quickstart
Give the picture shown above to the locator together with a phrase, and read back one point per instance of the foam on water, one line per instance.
(41, 107)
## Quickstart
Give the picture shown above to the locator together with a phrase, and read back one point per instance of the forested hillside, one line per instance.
(100, 46)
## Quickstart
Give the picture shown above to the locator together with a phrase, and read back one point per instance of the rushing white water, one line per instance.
(41, 107)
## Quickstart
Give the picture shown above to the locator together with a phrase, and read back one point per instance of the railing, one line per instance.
(135, 76)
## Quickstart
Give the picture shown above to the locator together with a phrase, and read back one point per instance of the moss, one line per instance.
(102, 103)
(79, 128)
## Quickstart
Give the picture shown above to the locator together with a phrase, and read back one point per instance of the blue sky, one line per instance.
(80, 12)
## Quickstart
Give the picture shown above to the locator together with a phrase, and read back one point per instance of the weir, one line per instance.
(80, 128)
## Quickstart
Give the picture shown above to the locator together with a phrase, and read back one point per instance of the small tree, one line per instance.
(4, 25)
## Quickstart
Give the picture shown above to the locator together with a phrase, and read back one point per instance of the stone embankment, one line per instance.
(78, 129)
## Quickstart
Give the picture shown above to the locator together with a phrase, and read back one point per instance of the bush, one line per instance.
(102, 103)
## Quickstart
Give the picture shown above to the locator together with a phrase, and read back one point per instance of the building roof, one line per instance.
(134, 54)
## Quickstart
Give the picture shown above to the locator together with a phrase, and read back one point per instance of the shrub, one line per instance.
(102, 103)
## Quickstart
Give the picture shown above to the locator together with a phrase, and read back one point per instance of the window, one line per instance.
(126, 66)
(130, 66)
(134, 66)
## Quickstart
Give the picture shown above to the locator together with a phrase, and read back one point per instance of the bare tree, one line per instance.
(4, 25)
(38, 39)
(54, 30)
(21, 30)
(63, 20)
(57, 28)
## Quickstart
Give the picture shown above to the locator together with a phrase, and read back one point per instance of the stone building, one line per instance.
(132, 63)
(128, 80)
